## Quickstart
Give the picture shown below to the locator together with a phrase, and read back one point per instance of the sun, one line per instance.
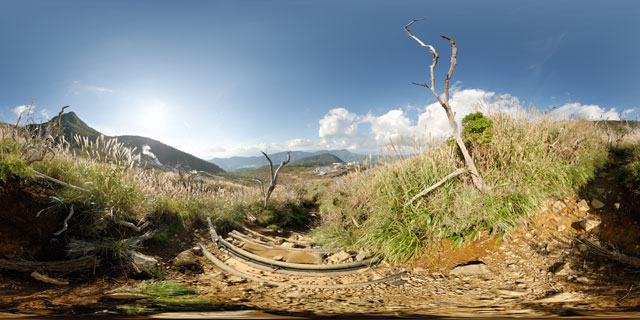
(153, 117)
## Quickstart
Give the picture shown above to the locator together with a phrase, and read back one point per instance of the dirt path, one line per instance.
(540, 270)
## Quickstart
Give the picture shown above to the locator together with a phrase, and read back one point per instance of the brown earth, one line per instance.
(28, 222)
(524, 278)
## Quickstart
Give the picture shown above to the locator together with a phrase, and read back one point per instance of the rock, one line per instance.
(583, 205)
(561, 228)
(558, 206)
(559, 297)
(339, 257)
(582, 247)
(597, 203)
(562, 269)
(288, 244)
(235, 280)
(293, 294)
(512, 293)
(589, 224)
(361, 255)
(473, 268)
(127, 296)
(197, 251)
(143, 261)
(584, 280)
(185, 258)
(616, 205)
(398, 283)
(277, 258)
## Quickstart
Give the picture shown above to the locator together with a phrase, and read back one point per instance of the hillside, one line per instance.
(323, 159)
(72, 125)
(250, 163)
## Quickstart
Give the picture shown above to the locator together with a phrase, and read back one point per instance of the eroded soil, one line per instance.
(539, 270)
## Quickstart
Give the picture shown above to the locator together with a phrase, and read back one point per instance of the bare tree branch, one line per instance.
(452, 175)
(42, 175)
(274, 176)
(475, 176)
(64, 224)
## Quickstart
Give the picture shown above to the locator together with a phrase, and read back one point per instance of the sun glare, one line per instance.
(153, 117)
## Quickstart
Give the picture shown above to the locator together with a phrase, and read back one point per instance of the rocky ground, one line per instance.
(541, 269)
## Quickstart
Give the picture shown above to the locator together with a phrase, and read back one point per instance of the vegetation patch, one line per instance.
(524, 163)
(166, 296)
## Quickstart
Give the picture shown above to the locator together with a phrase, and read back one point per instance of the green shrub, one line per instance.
(476, 128)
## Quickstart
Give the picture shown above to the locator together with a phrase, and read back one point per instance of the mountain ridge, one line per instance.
(250, 163)
(72, 124)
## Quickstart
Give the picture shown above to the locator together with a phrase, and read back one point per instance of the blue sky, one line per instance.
(221, 78)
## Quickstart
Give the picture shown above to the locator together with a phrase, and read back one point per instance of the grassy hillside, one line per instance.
(323, 159)
(523, 162)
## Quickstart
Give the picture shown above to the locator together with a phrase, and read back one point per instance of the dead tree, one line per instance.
(444, 102)
(266, 194)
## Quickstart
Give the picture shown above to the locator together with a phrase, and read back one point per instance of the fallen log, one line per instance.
(241, 274)
(61, 266)
(246, 255)
(242, 237)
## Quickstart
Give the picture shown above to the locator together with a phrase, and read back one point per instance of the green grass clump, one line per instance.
(523, 161)
(167, 296)
(630, 173)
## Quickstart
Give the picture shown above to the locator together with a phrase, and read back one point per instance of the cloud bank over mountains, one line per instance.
(341, 128)
(344, 129)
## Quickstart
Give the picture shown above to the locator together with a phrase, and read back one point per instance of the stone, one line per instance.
(583, 205)
(597, 203)
(558, 206)
(562, 269)
(339, 257)
(584, 280)
(185, 258)
(561, 228)
(235, 280)
(197, 251)
(473, 268)
(616, 205)
(512, 293)
(293, 294)
(277, 258)
(559, 297)
(361, 255)
(288, 244)
(143, 261)
(589, 224)
(582, 247)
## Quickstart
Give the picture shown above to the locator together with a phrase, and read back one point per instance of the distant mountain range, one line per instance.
(323, 159)
(167, 155)
(251, 163)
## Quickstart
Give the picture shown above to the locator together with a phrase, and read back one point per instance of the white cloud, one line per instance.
(79, 87)
(341, 128)
(23, 110)
(44, 114)
(576, 110)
